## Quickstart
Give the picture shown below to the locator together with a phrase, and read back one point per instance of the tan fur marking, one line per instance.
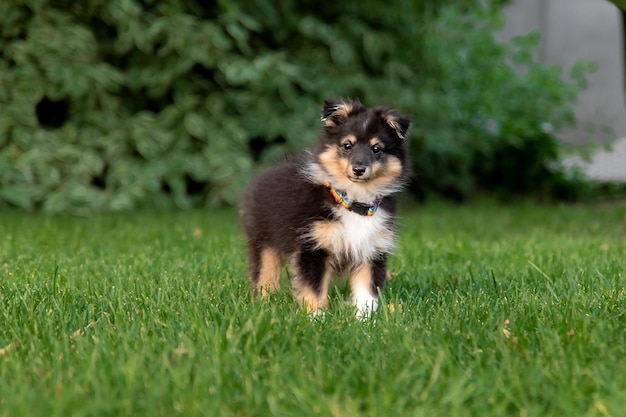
(307, 298)
(343, 110)
(349, 138)
(362, 273)
(269, 275)
(386, 173)
(326, 234)
(361, 277)
(362, 297)
(393, 123)
(335, 165)
(374, 141)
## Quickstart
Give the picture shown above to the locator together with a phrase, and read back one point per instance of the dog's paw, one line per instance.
(365, 308)
(318, 315)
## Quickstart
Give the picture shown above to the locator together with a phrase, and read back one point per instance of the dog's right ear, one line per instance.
(336, 111)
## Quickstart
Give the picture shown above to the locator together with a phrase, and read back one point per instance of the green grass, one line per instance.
(498, 311)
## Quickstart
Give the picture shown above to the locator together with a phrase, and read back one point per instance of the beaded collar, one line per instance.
(357, 207)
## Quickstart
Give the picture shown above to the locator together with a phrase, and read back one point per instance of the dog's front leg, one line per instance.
(312, 277)
(366, 281)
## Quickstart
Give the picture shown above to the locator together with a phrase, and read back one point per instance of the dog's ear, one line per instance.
(336, 111)
(397, 122)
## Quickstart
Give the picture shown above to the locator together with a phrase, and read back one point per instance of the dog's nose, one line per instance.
(358, 170)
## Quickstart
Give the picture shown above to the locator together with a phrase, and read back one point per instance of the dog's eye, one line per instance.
(347, 146)
(377, 149)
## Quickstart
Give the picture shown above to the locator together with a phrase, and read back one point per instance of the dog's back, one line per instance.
(277, 207)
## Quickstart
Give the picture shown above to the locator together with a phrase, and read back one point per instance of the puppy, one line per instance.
(332, 210)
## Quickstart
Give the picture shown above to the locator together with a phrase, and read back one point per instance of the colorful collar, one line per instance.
(363, 209)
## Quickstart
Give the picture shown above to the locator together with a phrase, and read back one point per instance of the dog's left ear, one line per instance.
(337, 110)
(397, 122)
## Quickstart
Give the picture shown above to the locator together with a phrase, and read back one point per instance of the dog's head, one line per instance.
(363, 146)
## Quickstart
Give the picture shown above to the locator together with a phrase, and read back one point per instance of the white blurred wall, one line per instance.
(580, 29)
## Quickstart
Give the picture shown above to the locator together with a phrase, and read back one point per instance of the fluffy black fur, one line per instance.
(290, 216)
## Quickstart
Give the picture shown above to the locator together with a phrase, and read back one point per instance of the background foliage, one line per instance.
(489, 117)
(123, 103)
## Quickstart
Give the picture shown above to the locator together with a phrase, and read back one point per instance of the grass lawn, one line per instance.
(492, 311)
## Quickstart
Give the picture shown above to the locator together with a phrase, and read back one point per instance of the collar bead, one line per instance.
(357, 207)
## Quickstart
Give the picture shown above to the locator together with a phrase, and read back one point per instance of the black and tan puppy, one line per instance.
(331, 211)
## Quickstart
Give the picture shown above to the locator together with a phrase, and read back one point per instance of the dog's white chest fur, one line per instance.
(353, 237)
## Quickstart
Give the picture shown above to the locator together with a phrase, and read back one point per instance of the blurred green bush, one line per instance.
(126, 103)
(489, 115)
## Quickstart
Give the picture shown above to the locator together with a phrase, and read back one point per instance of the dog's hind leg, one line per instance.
(265, 267)
(312, 277)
